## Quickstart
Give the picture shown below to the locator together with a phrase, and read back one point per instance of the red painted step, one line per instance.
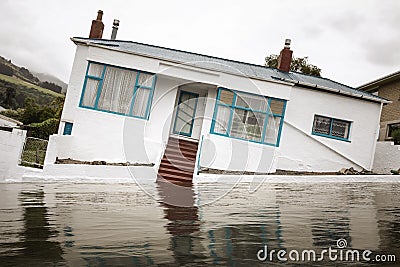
(177, 164)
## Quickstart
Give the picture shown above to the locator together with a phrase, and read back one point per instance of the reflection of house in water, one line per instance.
(388, 220)
(36, 245)
(183, 221)
(240, 223)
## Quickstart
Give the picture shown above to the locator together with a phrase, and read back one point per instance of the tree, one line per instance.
(8, 98)
(299, 64)
(6, 70)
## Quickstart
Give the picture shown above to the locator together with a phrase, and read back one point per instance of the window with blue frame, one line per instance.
(248, 117)
(118, 90)
(67, 128)
(331, 127)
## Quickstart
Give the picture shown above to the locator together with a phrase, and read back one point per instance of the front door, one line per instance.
(185, 113)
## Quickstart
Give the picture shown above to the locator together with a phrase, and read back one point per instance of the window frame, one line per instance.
(268, 113)
(137, 86)
(68, 126)
(388, 131)
(330, 128)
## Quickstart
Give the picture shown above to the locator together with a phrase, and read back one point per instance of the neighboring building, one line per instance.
(128, 101)
(387, 87)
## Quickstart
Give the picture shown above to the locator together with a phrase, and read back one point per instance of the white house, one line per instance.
(183, 112)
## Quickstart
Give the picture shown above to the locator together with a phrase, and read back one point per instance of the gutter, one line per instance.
(338, 91)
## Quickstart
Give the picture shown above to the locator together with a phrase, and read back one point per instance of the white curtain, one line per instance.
(140, 104)
(95, 70)
(271, 134)
(145, 79)
(222, 119)
(117, 90)
(89, 97)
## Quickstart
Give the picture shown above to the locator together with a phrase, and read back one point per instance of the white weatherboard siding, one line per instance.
(302, 151)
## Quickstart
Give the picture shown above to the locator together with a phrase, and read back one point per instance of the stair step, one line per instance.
(168, 176)
(175, 182)
(177, 160)
(182, 148)
(182, 154)
(177, 165)
(175, 170)
(181, 142)
(179, 157)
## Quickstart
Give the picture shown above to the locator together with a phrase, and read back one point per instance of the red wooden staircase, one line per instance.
(177, 164)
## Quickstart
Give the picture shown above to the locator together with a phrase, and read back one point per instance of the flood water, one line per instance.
(210, 224)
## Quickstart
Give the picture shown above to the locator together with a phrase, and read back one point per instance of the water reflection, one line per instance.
(178, 202)
(92, 225)
(36, 244)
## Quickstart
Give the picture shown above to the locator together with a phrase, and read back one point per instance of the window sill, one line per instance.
(331, 137)
(246, 140)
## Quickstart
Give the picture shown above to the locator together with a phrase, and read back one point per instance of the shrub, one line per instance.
(43, 129)
(396, 136)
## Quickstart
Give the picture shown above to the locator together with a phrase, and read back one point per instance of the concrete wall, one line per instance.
(302, 151)
(7, 123)
(11, 145)
(387, 157)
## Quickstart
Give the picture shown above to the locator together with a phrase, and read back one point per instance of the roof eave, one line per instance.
(375, 84)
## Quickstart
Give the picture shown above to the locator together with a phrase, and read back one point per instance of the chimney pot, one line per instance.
(96, 31)
(285, 57)
(99, 15)
(114, 29)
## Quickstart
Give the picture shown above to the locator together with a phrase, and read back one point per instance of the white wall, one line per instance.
(11, 145)
(302, 151)
(387, 157)
(4, 122)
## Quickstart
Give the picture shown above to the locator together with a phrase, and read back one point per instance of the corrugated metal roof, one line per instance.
(230, 66)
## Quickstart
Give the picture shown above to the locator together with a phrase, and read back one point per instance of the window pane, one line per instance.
(145, 79)
(117, 90)
(253, 102)
(272, 130)
(185, 112)
(277, 107)
(322, 125)
(247, 125)
(226, 97)
(141, 101)
(95, 70)
(392, 128)
(222, 119)
(89, 97)
(238, 128)
(340, 128)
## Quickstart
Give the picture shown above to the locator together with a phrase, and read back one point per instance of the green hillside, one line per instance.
(18, 84)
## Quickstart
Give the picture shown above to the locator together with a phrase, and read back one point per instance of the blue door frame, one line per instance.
(196, 96)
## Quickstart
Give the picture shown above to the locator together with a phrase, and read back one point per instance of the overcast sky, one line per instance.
(352, 41)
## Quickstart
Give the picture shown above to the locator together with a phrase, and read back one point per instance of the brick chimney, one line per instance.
(96, 31)
(285, 58)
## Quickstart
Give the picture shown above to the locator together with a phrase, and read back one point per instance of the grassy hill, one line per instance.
(20, 84)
